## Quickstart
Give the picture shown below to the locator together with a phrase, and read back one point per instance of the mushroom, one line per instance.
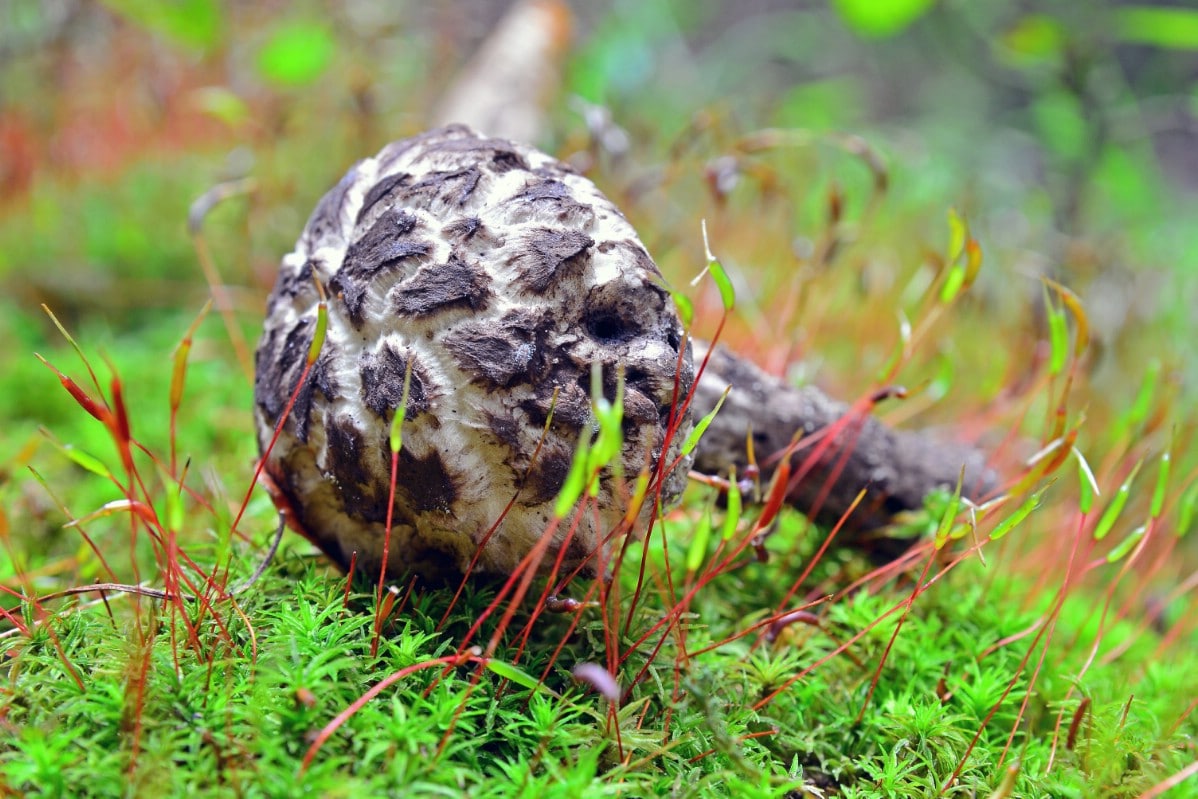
(498, 277)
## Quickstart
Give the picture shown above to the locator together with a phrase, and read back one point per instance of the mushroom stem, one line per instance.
(855, 451)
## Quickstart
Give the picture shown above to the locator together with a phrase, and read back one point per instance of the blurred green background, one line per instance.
(1066, 132)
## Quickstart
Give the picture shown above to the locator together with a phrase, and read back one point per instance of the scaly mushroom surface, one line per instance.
(499, 276)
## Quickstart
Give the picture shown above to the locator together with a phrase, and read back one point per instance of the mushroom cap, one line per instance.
(499, 276)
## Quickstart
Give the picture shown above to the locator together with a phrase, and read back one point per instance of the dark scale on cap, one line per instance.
(274, 385)
(569, 403)
(420, 145)
(347, 448)
(303, 278)
(610, 326)
(548, 254)
(633, 252)
(547, 475)
(465, 229)
(553, 191)
(500, 154)
(436, 287)
(382, 191)
(575, 552)
(429, 486)
(506, 430)
(616, 314)
(388, 242)
(556, 196)
(385, 242)
(290, 285)
(326, 221)
(319, 379)
(450, 188)
(268, 376)
(382, 383)
(471, 236)
(505, 160)
(639, 409)
(275, 379)
(499, 353)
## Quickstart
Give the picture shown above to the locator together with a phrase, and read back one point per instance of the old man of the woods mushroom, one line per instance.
(497, 276)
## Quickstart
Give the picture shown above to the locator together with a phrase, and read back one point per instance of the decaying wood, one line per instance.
(897, 468)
